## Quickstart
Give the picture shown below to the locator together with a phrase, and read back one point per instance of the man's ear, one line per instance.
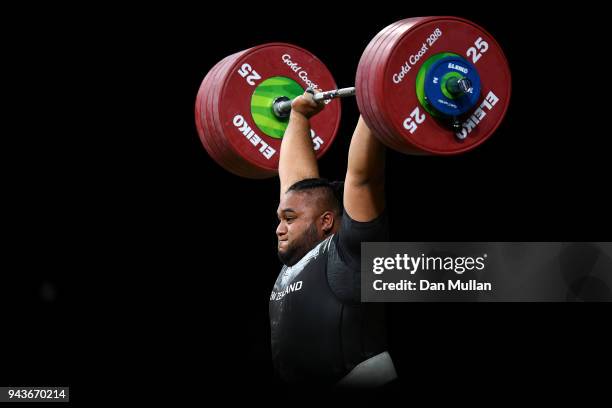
(327, 221)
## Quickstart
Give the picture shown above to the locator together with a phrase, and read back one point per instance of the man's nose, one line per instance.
(281, 229)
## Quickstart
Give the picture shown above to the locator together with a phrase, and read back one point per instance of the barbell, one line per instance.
(426, 85)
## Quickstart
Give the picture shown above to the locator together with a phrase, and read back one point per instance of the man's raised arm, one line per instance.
(364, 189)
(297, 157)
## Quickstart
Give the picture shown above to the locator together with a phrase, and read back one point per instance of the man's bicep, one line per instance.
(363, 202)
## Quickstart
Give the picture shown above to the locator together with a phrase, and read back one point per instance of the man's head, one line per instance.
(308, 212)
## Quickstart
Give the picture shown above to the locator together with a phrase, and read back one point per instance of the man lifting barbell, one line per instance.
(426, 85)
(321, 332)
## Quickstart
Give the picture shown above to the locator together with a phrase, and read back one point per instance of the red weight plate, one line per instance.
(376, 85)
(363, 82)
(231, 161)
(209, 135)
(254, 66)
(394, 98)
(207, 102)
(227, 161)
(379, 58)
(362, 77)
(241, 167)
(202, 122)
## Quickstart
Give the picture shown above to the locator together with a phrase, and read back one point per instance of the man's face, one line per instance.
(297, 230)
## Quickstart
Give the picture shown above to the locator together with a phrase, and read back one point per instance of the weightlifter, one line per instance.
(321, 332)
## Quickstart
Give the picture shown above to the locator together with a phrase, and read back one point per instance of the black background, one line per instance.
(130, 257)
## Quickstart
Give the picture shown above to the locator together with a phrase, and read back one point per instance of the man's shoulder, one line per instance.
(380, 221)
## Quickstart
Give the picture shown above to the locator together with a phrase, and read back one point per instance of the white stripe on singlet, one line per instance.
(289, 273)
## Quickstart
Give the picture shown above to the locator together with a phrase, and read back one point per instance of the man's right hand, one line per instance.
(306, 106)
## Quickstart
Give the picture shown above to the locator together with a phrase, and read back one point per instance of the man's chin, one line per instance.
(286, 258)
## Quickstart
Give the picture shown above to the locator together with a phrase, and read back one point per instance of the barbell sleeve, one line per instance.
(282, 105)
